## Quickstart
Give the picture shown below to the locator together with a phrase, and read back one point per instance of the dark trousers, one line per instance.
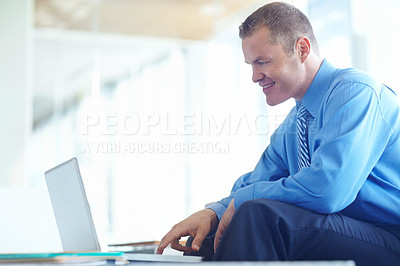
(267, 230)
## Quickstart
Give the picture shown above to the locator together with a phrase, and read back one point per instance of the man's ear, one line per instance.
(303, 48)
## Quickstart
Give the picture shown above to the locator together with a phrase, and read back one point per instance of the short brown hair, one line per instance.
(285, 23)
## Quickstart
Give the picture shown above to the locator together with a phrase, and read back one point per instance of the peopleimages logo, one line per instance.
(167, 124)
(167, 133)
(160, 147)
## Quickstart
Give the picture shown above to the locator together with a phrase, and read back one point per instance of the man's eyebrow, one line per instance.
(258, 58)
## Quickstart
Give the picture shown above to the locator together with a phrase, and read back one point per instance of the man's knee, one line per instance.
(258, 224)
(262, 206)
(271, 213)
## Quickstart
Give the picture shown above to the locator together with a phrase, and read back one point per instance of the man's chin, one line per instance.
(272, 102)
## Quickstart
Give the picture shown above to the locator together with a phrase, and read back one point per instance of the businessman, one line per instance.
(327, 187)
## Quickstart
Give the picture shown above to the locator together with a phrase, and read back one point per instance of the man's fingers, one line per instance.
(160, 249)
(225, 220)
(199, 238)
(167, 239)
(224, 223)
(218, 236)
(197, 225)
(177, 246)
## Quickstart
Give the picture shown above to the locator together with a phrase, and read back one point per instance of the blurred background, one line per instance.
(154, 99)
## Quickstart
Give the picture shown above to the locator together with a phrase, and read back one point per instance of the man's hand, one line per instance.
(224, 223)
(198, 225)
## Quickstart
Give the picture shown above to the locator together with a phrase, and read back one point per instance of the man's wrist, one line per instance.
(213, 218)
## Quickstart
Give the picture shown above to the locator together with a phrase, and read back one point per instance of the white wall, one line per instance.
(15, 88)
(27, 223)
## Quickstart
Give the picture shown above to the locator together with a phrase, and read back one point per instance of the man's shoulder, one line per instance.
(357, 84)
(352, 81)
(354, 75)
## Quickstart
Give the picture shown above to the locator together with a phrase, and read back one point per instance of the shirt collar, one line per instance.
(314, 95)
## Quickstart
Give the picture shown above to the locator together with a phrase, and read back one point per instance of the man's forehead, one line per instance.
(258, 47)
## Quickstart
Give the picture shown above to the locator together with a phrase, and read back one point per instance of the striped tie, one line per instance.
(302, 138)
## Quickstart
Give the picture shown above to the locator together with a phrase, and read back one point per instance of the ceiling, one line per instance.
(72, 37)
(182, 19)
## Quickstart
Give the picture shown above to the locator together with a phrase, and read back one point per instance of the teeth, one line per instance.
(268, 85)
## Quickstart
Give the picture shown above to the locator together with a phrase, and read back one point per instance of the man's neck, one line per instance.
(313, 64)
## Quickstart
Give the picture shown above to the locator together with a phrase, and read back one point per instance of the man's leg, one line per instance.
(271, 230)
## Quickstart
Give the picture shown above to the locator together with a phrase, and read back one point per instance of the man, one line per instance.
(328, 185)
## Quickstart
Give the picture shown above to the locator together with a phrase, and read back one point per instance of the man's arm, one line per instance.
(204, 222)
(353, 134)
(273, 165)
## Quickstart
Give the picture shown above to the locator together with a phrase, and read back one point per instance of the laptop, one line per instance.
(74, 219)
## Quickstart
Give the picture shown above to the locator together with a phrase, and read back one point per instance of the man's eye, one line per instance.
(262, 63)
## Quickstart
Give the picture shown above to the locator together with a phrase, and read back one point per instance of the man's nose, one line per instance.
(257, 76)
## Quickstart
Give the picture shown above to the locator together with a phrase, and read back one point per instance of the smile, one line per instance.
(265, 87)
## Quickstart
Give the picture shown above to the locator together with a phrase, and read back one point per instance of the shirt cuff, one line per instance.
(218, 208)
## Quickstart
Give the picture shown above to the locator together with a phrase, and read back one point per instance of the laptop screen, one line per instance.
(71, 208)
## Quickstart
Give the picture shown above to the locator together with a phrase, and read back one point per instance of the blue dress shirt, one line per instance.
(354, 142)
